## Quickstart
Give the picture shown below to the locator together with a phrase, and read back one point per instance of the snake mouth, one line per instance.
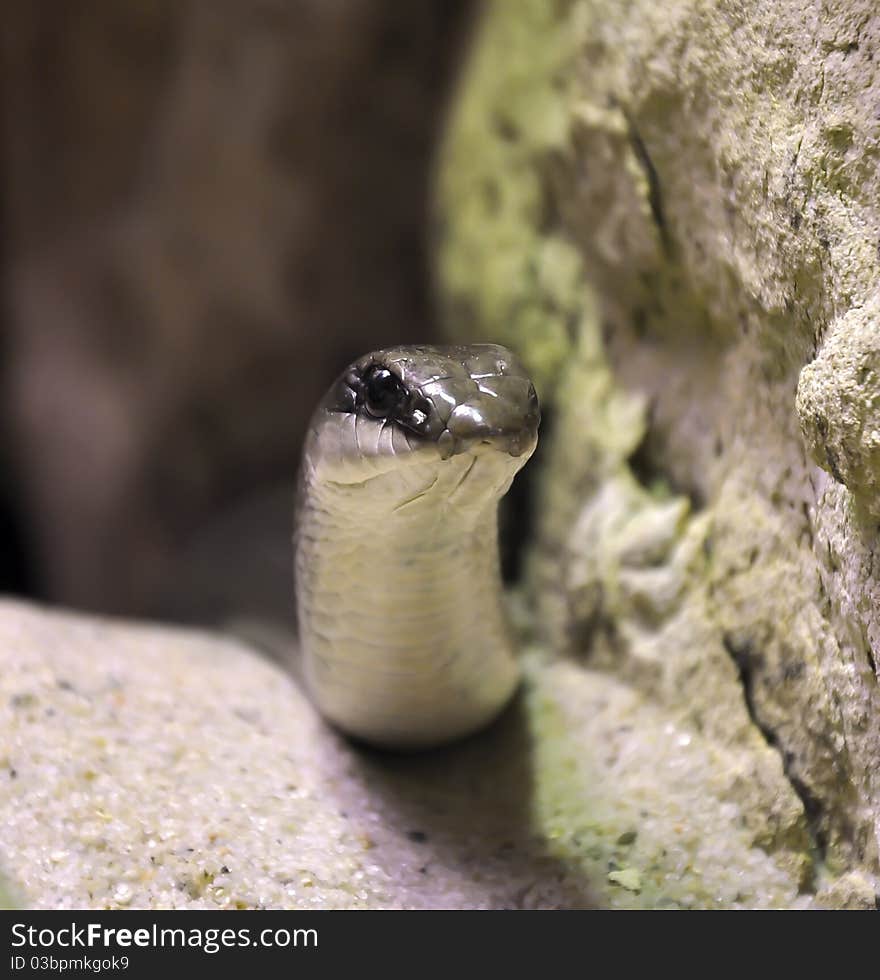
(516, 444)
(384, 447)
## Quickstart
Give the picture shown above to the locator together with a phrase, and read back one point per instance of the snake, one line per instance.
(404, 642)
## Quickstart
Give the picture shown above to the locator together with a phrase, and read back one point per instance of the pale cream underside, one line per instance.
(402, 630)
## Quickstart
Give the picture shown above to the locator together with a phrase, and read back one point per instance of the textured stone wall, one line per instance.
(672, 210)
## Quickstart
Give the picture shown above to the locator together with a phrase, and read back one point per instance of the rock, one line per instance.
(628, 878)
(672, 211)
(153, 767)
(838, 404)
(8, 898)
(852, 890)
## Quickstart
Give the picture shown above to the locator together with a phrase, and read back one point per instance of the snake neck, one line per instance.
(402, 627)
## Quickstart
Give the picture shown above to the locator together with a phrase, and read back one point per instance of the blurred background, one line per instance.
(208, 208)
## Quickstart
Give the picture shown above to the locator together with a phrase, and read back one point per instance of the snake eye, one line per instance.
(383, 392)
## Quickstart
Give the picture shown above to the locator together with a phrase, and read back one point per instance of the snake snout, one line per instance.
(509, 424)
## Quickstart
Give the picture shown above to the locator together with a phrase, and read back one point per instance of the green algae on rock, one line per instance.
(501, 275)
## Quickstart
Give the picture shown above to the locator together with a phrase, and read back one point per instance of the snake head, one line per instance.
(410, 403)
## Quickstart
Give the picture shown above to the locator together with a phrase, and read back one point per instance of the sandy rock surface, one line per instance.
(149, 767)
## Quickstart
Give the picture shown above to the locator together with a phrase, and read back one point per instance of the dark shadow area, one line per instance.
(238, 568)
(648, 466)
(518, 510)
(16, 572)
